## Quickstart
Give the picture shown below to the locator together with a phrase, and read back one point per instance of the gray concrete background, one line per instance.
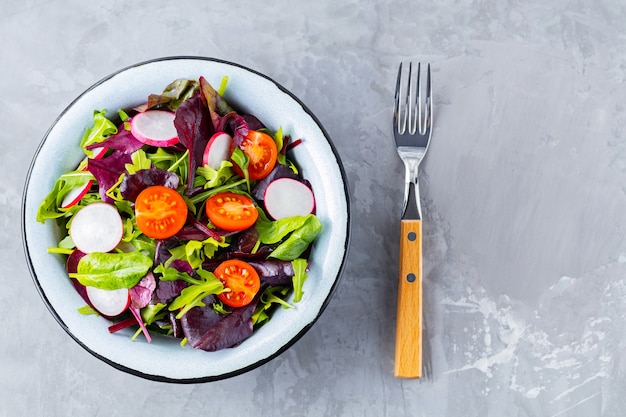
(523, 190)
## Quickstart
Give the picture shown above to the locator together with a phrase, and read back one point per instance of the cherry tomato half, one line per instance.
(230, 211)
(241, 279)
(160, 212)
(263, 153)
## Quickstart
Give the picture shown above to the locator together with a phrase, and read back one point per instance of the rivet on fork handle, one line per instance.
(408, 360)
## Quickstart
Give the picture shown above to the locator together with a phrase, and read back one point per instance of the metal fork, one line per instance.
(412, 130)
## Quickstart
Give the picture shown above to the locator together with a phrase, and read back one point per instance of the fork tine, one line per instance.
(429, 109)
(417, 110)
(396, 107)
(408, 102)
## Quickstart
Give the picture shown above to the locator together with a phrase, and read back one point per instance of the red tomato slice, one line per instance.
(241, 279)
(230, 211)
(263, 153)
(160, 212)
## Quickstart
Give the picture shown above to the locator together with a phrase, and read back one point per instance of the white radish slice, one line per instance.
(217, 150)
(109, 303)
(287, 197)
(99, 152)
(155, 128)
(97, 227)
(74, 195)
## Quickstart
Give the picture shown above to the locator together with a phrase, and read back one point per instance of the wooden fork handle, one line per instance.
(408, 360)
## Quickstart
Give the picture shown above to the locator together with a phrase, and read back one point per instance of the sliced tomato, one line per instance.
(160, 212)
(262, 152)
(230, 211)
(241, 279)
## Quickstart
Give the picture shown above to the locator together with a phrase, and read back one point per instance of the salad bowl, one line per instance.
(164, 359)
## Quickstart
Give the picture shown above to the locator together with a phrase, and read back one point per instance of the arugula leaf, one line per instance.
(50, 206)
(101, 129)
(87, 310)
(112, 271)
(193, 295)
(242, 161)
(299, 277)
(271, 296)
(139, 161)
(216, 177)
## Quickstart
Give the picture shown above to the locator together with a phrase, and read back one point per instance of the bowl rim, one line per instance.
(209, 378)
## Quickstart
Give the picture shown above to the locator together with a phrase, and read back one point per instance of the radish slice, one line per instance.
(155, 127)
(74, 195)
(286, 197)
(98, 153)
(109, 303)
(97, 227)
(217, 150)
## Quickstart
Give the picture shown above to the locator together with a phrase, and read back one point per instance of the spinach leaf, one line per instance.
(112, 271)
(271, 232)
(299, 240)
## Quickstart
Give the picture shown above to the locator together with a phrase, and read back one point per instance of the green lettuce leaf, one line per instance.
(112, 271)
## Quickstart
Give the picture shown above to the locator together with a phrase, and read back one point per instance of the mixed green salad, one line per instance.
(185, 218)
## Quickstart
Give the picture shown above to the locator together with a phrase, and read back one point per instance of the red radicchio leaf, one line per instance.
(194, 129)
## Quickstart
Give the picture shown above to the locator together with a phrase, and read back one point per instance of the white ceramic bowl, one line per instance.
(164, 359)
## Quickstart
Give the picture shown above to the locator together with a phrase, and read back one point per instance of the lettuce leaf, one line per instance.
(112, 271)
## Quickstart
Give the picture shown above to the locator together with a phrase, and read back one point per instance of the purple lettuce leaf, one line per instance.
(161, 249)
(235, 125)
(274, 272)
(167, 290)
(215, 103)
(173, 95)
(211, 331)
(107, 171)
(194, 128)
(122, 141)
(253, 122)
(135, 183)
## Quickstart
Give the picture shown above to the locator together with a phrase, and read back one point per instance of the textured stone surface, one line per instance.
(523, 190)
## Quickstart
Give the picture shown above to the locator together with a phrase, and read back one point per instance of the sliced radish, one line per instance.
(109, 303)
(75, 195)
(155, 127)
(217, 150)
(286, 197)
(97, 227)
(98, 153)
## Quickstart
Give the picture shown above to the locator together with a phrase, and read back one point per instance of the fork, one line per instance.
(412, 130)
